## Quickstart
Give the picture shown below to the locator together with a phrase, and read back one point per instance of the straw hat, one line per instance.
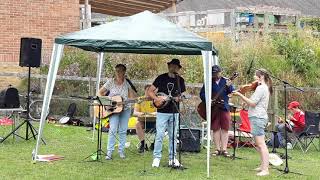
(275, 160)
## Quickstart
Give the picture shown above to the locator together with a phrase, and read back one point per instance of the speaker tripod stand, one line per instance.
(26, 121)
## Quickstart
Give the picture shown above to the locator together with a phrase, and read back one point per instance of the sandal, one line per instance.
(216, 153)
(225, 153)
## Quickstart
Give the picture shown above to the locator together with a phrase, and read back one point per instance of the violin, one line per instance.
(248, 87)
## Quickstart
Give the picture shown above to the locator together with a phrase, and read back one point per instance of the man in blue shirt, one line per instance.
(220, 118)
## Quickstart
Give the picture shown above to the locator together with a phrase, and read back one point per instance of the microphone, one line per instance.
(176, 74)
(250, 67)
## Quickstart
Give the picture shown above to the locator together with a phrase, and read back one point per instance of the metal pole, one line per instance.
(99, 70)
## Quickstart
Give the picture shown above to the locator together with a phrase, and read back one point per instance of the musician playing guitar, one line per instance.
(118, 86)
(220, 118)
(297, 119)
(168, 83)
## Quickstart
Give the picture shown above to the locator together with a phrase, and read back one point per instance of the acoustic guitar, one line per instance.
(201, 109)
(288, 124)
(117, 104)
(216, 101)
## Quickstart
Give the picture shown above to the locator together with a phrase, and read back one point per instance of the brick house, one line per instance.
(43, 19)
(46, 19)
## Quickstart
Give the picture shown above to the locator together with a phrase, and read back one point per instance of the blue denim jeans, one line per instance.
(165, 122)
(118, 123)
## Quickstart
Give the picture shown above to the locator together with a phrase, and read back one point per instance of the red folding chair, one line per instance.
(244, 130)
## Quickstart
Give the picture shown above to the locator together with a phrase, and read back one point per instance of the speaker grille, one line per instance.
(30, 52)
(190, 140)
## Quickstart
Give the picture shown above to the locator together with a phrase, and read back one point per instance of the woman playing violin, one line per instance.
(258, 105)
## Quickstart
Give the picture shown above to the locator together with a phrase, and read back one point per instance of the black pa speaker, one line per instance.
(30, 52)
(190, 140)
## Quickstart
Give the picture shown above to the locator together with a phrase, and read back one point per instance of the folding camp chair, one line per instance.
(311, 131)
(244, 130)
(150, 130)
(204, 135)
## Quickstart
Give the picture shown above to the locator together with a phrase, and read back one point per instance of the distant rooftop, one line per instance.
(306, 7)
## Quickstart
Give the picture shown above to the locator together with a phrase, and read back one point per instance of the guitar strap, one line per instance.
(132, 86)
(219, 92)
(235, 74)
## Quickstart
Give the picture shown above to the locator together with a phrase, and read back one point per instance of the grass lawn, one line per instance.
(75, 144)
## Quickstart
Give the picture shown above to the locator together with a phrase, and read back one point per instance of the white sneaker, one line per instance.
(289, 146)
(122, 155)
(109, 155)
(156, 162)
(174, 162)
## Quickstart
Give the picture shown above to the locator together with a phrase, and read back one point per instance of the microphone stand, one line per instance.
(173, 166)
(233, 109)
(99, 151)
(144, 171)
(285, 84)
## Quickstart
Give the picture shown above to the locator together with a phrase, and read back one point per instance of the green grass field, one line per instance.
(75, 143)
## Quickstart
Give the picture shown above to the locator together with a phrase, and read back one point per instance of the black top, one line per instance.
(161, 82)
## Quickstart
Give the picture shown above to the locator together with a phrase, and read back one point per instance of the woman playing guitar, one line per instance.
(118, 86)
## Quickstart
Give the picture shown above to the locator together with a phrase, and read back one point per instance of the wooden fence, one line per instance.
(275, 108)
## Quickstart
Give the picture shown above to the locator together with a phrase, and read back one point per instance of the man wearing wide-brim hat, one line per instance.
(170, 84)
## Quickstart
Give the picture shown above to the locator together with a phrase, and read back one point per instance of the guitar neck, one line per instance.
(129, 101)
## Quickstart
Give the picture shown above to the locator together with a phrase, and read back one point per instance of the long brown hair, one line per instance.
(267, 79)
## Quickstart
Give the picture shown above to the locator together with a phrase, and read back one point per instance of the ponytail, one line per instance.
(267, 79)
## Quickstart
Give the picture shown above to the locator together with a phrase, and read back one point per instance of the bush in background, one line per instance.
(294, 57)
